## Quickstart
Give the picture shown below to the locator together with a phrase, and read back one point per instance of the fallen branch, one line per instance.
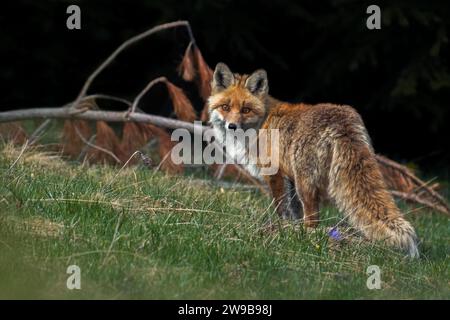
(411, 197)
(94, 97)
(94, 115)
(421, 184)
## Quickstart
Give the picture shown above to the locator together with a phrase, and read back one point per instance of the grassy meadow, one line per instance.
(141, 234)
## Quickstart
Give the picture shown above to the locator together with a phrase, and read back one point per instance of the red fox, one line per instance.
(325, 151)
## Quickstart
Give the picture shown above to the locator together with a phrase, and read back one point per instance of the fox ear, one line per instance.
(222, 78)
(257, 83)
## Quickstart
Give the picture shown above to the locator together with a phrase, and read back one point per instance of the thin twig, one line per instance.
(86, 147)
(220, 172)
(120, 170)
(37, 133)
(144, 91)
(108, 152)
(108, 97)
(24, 147)
(418, 189)
(163, 160)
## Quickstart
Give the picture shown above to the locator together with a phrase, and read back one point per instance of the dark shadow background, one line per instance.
(314, 51)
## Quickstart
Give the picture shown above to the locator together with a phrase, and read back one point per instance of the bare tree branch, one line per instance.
(36, 134)
(122, 47)
(144, 91)
(420, 183)
(95, 115)
(411, 197)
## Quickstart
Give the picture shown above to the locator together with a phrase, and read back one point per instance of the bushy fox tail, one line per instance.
(357, 186)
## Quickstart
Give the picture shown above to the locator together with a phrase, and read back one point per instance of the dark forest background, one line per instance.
(314, 51)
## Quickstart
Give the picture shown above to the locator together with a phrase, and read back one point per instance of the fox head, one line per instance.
(237, 101)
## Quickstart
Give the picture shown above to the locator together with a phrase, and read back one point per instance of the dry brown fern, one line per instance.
(134, 137)
(107, 148)
(72, 143)
(186, 69)
(164, 150)
(181, 104)
(194, 67)
(13, 132)
(205, 74)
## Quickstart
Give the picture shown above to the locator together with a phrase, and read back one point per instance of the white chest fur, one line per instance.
(237, 152)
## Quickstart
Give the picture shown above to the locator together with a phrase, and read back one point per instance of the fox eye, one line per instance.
(225, 107)
(245, 110)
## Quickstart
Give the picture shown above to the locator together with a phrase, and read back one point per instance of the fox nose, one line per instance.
(232, 126)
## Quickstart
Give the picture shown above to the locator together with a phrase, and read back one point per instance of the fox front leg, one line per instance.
(284, 196)
(276, 187)
(293, 207)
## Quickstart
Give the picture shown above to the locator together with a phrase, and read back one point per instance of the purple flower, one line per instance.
(334, 234)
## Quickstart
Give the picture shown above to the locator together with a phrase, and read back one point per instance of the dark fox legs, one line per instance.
(293, 207)
(285, 197)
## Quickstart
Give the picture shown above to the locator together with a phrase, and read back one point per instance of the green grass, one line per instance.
(139, 234)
